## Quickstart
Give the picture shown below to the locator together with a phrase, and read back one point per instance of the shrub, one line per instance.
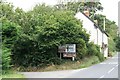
(81, 49)
(101, 57)
(118, 43)
(9, 36)
(93, 49)
(40, 47)
(6, 60)
(27, 52)
(9, 33)
(111, 46)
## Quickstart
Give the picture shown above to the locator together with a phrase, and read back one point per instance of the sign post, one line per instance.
(68, 50)
(60, 56)
(73, 58)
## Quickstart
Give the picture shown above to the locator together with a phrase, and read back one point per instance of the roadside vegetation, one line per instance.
(111, 28)
(30, 39)
(66, 65)
(118, 43)
(12, 74)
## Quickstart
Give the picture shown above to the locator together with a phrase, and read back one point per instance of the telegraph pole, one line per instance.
(104, 24)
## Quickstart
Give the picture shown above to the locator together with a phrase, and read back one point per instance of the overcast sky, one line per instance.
(110, 6)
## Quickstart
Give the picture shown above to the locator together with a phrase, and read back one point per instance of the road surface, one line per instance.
(106, 69)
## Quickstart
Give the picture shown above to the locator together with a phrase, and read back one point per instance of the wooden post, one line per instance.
(73, 58)
(60, 56)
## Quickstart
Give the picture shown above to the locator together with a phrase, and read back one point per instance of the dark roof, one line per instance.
(95, 24)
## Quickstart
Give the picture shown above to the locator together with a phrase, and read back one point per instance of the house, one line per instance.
(97, 36)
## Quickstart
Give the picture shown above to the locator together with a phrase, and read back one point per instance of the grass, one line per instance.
(12, 74)
(112, 47)
(86, 62)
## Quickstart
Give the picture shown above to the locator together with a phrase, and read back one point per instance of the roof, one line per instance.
(95, 24)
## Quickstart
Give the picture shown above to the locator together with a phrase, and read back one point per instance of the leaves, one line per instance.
(42, 32)
(33, 37)
(93, 7)
(118, 43)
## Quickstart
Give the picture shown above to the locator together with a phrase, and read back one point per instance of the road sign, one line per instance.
(68, 50)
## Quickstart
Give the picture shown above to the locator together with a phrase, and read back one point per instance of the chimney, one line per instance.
(87, 13)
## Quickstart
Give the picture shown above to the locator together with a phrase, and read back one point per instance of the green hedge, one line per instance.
(40, 47)
(6, 60)
(93, 49)
(9, 36)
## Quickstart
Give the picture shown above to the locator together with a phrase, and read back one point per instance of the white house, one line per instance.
(97, 35)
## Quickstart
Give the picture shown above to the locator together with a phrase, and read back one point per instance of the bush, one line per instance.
(93, 49)
(6, 60)
(101, 57)
(118, 43)
(111, 46)
(9, 36)
(40, 47)
(81, 49)
(9, 33)
(27, 52)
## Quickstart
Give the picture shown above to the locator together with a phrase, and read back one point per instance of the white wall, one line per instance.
(100, 38)
(88, 26)
(105, 40)
(96, 35)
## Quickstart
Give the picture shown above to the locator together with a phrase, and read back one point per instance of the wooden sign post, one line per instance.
(68, 50)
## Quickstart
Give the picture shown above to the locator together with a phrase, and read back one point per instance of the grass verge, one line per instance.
(12, 74)
(68, 65)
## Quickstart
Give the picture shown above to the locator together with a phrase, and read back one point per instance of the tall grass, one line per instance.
(67, 65)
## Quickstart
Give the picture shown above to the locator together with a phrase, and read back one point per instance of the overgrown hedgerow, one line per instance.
(40, 47)
(35, 42)
(93, 49)
(9, 36)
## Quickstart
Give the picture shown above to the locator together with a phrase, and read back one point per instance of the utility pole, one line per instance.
(103, 34)
(104, 24)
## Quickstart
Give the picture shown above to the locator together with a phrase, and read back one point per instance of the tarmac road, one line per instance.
(104, 70)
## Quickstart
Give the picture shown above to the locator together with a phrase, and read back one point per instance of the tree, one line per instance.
(6, 60)
(48, 30)
(110, 29)
(118, 43)
(81, 6)
(6, 10)
(33, 37)
(9, 32)
(9, 36)
(110, 26)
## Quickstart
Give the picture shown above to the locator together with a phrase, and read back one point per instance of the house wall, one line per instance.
(96, 35)
(88, 26)
(105, 41)
(100, 38)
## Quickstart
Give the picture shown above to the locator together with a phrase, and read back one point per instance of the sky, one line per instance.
(110, 6)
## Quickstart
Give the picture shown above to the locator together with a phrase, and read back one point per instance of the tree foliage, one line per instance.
(32, 38)
(6, 60)
(9, 36)
(118, 43)
(46, 30)
(93, 7)
(110, 29)
(94, 50)
(9, 33)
